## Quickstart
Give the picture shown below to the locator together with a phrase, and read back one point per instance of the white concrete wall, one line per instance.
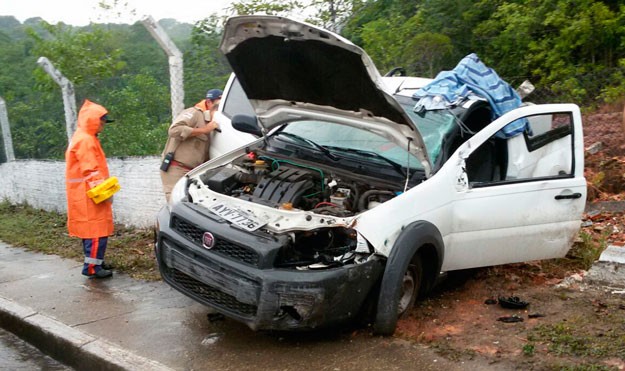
(41, 184)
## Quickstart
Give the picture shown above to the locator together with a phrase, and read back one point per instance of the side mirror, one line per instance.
(397, 71)
(246, 124)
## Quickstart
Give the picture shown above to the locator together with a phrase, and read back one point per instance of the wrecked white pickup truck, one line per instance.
(362, 189)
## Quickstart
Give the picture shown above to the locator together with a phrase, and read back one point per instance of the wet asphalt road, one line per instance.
(15, 354)
(158, 323)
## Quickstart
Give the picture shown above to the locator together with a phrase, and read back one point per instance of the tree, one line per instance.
(269, 7)
(142, 117)
(205, 65)
(426, 52)
(333, 14)
(84, 56)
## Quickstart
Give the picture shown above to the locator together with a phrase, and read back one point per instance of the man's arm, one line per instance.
(185, 126)
(205, 129)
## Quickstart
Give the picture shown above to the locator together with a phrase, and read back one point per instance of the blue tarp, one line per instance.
(470, 78)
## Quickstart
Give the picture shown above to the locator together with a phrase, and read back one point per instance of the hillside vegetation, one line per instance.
(573, 51)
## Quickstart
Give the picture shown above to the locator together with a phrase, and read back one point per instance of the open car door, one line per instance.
(518, 198)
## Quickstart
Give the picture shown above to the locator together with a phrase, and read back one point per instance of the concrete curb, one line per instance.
(609, 269)
(67, 344)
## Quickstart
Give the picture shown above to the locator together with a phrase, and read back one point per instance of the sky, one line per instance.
(83, 12)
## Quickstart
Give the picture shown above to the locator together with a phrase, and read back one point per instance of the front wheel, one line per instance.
(398, 294)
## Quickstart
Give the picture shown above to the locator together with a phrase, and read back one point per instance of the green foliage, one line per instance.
(573, 338)
(84, 56)
(589, 250)
(269, 7)
(38, 130)
(205, 65)
(376, 11)
(528, 350)
(615, 92)
(384, 40)
(427, 52)
(141, 124)
(125, 70)
(21, 225)
(131, 250)
(333, 14)
(571, 50)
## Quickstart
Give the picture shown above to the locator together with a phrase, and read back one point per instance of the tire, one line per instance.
(400, 288)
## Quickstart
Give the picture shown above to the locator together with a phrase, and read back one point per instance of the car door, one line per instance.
(521, 198)
(234, 101)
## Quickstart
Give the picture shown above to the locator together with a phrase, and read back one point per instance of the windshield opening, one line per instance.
(339, 137)
(434, 126)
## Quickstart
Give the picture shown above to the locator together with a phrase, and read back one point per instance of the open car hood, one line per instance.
(282, 62)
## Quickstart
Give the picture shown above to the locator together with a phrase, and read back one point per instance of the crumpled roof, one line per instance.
(471, 78)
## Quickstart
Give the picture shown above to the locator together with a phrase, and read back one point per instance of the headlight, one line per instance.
(323, 247)
(179, 191)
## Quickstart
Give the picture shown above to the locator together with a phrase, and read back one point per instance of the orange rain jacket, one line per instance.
(85, 167)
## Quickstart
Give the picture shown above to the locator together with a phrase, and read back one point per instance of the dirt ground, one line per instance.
(567, 324)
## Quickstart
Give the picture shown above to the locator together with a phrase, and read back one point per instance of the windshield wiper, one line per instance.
(362, 152)
(311, 143)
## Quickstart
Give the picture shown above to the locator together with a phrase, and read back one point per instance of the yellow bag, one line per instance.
(104, 190)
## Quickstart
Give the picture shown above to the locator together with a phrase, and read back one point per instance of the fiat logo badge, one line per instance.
(208, 240)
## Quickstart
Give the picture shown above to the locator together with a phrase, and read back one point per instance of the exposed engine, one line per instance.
(287, 184)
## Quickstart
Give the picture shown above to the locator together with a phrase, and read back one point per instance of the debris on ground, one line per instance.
(512, 302)
(510, 319)
(214, 317)
(572, 325)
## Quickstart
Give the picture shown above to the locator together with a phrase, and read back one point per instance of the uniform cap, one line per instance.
(213, 94)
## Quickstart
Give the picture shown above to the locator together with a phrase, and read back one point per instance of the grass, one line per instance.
(590, 248)
(129, 250)
(576, 337)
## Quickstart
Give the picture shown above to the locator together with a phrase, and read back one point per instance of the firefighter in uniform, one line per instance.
(86, 167)
(188, 141)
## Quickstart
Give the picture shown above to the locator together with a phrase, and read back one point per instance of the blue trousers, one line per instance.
(94, 249)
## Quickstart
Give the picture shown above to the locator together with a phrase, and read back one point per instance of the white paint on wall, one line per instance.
(41, 184)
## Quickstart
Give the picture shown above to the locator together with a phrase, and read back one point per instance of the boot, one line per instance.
(102, 273)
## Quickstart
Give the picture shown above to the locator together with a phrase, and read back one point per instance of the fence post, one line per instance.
(176, 75)
(69, 97)
(6, 131)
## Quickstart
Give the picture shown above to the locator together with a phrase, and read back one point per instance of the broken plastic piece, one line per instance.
(535, 315)
(214, 317)
(490, 301)
(512, 302)
(510, 319)
(525, 89)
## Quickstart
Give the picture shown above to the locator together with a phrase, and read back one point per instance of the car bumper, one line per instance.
(250, 290)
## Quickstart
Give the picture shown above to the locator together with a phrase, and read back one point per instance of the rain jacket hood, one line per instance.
(89, 117)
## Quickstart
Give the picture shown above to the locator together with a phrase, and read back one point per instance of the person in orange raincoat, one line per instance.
(86, 167)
